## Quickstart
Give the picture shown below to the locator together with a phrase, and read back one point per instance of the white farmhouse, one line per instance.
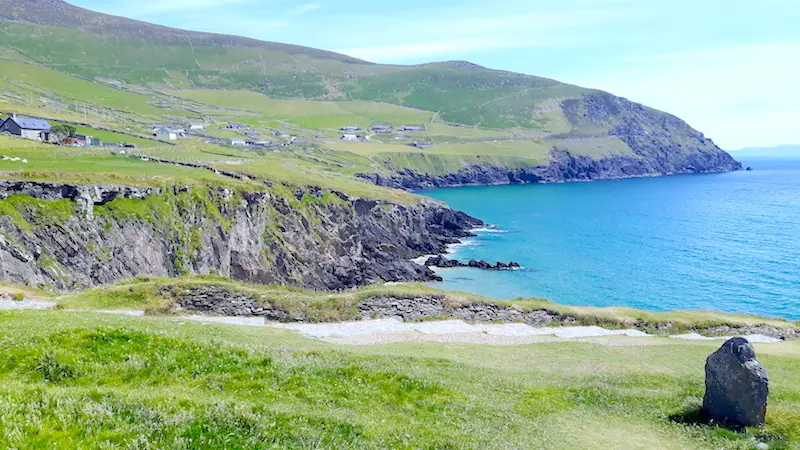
(166, 134)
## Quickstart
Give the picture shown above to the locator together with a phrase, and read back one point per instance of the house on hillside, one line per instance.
(381, 128)
(236, 142)
(252, 134)
(280, 134)
(38, 129)
(348, 129)
(196, 126)
(412, 128)
(166, 134)
(237, 126)
(349, 137)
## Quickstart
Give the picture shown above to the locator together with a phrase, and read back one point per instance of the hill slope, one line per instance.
(466, 104)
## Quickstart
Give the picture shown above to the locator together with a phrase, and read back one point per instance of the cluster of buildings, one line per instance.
(166, 133)
(349, 133)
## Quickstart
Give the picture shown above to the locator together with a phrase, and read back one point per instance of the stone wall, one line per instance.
(437, 306)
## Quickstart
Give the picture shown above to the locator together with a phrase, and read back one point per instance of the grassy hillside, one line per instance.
(67, 63)
(79, 380)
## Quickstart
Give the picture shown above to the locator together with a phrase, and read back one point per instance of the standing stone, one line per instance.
(736, 386)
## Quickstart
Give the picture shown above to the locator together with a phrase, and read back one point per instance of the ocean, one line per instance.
(725, 242)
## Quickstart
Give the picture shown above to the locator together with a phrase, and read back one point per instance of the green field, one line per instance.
(79, 90)
(311, 114)
(82, 380)
(136, 108)
(85, 166)
(111, 137)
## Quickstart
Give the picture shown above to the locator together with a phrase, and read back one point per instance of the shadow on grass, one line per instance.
(692, 415)
(695, 416)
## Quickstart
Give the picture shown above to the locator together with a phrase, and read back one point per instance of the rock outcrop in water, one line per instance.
(67, 237)
(445, 263)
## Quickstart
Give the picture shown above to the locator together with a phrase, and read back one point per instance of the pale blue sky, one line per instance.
(731, 68)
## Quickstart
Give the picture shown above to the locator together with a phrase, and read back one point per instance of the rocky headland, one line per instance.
(661, 144)
(64, 236)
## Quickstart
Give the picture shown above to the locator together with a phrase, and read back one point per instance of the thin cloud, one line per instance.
(740, 96)
(429, 49)
(306, 8)
(422, 39)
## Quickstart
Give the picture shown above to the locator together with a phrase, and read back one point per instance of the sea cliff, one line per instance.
(660, 144)
(64, 236)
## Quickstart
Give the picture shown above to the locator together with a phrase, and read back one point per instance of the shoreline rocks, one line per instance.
(445, 263)
(737, 386)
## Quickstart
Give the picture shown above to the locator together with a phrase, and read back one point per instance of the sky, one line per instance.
(730, 68)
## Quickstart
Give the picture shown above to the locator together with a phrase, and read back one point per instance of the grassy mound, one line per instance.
(148, 293)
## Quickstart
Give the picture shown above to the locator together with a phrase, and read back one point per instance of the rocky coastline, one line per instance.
(66, 237)
(660, 144)
(563, 167)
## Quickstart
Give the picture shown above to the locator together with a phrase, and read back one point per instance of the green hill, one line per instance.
(61, 61)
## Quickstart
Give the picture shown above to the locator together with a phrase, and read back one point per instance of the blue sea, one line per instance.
(727, 242)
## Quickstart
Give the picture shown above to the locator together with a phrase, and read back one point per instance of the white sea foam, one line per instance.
(453, 248)
(488, 230)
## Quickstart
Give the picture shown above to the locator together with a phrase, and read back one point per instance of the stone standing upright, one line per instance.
(736, 386)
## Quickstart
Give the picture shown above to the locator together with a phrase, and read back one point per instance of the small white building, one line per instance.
(197, 126)
(237, 142)
(349, 137)
(166, 134)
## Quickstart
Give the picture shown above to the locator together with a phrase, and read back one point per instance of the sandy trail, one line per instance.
(394, 330)
(25, 304)
(387, 331)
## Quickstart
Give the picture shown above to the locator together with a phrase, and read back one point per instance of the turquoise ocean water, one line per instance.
(728, 242)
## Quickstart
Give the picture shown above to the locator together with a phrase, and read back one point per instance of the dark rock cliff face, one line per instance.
(662, 145)
(69, 237)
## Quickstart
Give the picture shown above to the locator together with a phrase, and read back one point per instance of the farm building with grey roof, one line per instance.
(26, 127)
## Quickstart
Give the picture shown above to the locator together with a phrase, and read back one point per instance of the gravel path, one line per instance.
(25, 304)
(385, 331)
(394, 330)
